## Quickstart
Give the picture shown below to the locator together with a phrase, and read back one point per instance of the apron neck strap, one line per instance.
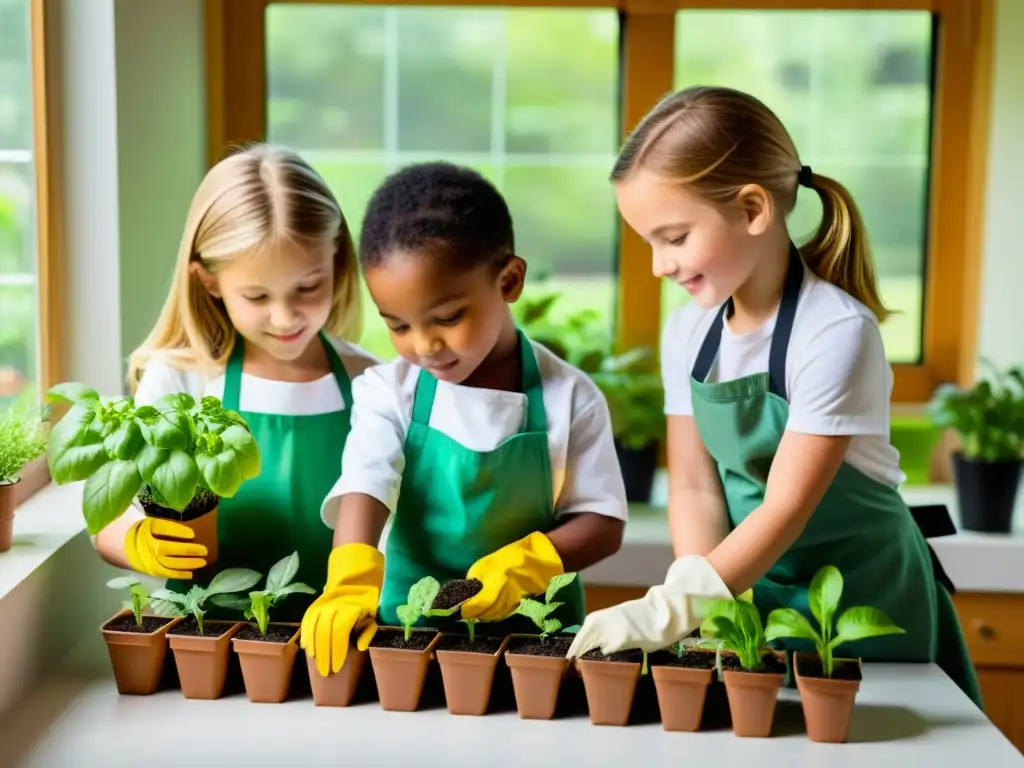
(233, 373)
(780, 335)
(529, 385)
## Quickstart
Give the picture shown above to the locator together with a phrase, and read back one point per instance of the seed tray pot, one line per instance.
(681, 684)
(538, 669)
(610, 684)
(400, 667)
(827, 702)
(467, 671)
(267, 661)
(337, 689)
(752, 695)
(202, 660)
(137, 653)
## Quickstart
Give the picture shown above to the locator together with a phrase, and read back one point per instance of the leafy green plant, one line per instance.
(279, 584)
(176, 447)
(166, 602)
(417, 604)
(989, 417)
(857, 623)
(139, 599)
(539, 612)
(734, 625)
(21, 439)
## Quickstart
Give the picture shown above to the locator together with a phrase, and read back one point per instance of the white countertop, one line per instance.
(908, 716)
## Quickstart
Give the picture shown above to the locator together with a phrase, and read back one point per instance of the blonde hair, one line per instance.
(717, 140)
(253, 200)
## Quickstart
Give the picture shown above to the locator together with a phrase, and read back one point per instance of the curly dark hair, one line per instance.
(440, 209)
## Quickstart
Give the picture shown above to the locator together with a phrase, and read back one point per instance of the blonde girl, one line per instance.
(262, 312)
(776, 389)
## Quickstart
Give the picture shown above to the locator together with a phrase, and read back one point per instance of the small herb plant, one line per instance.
(417, 604)
(169, 603)
(539, 612)
(857, 623)
(735, 625)
(176, 447)
(279, 584)
(21, 439)
(140, 597)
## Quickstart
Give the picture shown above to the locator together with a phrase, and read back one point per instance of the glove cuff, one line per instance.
(355, 562)
(540, 545)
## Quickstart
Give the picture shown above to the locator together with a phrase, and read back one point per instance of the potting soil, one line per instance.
(455, 592)
(417, 641)
(275, 633)
(460, 643)
(127, 624)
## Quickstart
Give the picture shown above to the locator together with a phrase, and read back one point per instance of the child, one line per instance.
(265, 287)
(495, 457)
(777, 390)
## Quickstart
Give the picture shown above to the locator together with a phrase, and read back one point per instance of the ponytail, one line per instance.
(839, 252)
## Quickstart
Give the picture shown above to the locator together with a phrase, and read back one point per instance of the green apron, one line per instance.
(458, 505)
(278, 512)
(861, 526)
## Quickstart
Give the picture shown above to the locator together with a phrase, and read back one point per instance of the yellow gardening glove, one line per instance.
(162, 548)
(511, 573)
(355, 573)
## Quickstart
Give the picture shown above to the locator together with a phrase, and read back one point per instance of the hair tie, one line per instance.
(805, 177)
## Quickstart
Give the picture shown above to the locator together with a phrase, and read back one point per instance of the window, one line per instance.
(361, 91)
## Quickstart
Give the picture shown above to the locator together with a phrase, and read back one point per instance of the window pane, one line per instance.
(854, 90)
(15, 77)
(362, 91)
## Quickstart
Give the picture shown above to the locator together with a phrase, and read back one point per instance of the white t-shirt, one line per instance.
(584, 467)
(838, 381)
(258, 395)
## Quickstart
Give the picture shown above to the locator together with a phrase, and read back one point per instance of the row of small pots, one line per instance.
(538, 669)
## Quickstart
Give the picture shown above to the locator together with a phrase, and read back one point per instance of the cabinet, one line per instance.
(993, 626)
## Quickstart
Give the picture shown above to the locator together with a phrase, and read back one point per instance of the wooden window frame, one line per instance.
(236, 98)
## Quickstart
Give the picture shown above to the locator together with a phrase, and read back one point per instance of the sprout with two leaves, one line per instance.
(166, 602)
(279, 585)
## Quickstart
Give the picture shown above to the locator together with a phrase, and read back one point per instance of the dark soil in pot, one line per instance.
(752, 695)
(200, 515)
(267, 660)
(467, 672)
(681, 684)
(555, 647)
(275, 633)
(538, 670)
(137, 653)
(455, 592)
(461, 644)
(610, 683)
(202, 658)
(211, 629)
(828, 703)
(400, 666)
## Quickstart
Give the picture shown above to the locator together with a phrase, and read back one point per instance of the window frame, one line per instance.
(236, 99)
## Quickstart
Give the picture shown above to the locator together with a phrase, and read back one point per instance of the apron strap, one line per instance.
(338, 369)
(529, 384)
(233, 376)
(780, 335)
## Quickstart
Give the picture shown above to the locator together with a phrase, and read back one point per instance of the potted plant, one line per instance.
(201, 648)
(21, 441)
(136, 643)
(266, 650)
(828, 686)
(401, 655)
(178, 457)
(682, 674)
(538, 662)
(989, 419)
(610, 683)
(752, 672)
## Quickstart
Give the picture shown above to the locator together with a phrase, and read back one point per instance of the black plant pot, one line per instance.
(638, 466)
(986, 492)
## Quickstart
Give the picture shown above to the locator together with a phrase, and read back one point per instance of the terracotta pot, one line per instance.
(267, 666)
(681, 693)
(338, 688)
(468, 678)
(752, 697)
(202, 660)
(610, 687)
(401, 672)
(7, 515)
(536, 680)
(137, 658)
(827, 702)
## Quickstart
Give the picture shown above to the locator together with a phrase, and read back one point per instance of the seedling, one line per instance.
(539, 612)
(169, 603)
(176, 448)
(139, 595)
(734, 625)
(279, 584)
(417, 604)
(857, 623)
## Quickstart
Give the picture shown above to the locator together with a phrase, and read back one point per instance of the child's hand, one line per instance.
(511, 573)
(162, 548)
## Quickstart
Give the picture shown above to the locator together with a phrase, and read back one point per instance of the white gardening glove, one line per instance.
(658, 619)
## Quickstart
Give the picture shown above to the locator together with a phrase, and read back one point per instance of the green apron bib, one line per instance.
(861, 526)
(278, 512)
(458, 505)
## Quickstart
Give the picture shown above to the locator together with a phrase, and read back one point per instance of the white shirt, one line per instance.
(258, 395)
(838, 381)
(584, 467)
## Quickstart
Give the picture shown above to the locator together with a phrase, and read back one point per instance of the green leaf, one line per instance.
(550, 625)
(861, 622)
(178, 401)
(247, 454)
(231, 602)
(232, 580)
(108, 493)
(176, 479)
(123, 582)
(149, 460)
(422, 594)
(825, 593)
(289, 589)
(282, 572)
(558, 583)
(407, 615)
(72, 392)
(574, 629)
(170, 596)
(534, 610)
(220, 472)
(171, 431)
(75, 450)
(125, 441)
(788, 623)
